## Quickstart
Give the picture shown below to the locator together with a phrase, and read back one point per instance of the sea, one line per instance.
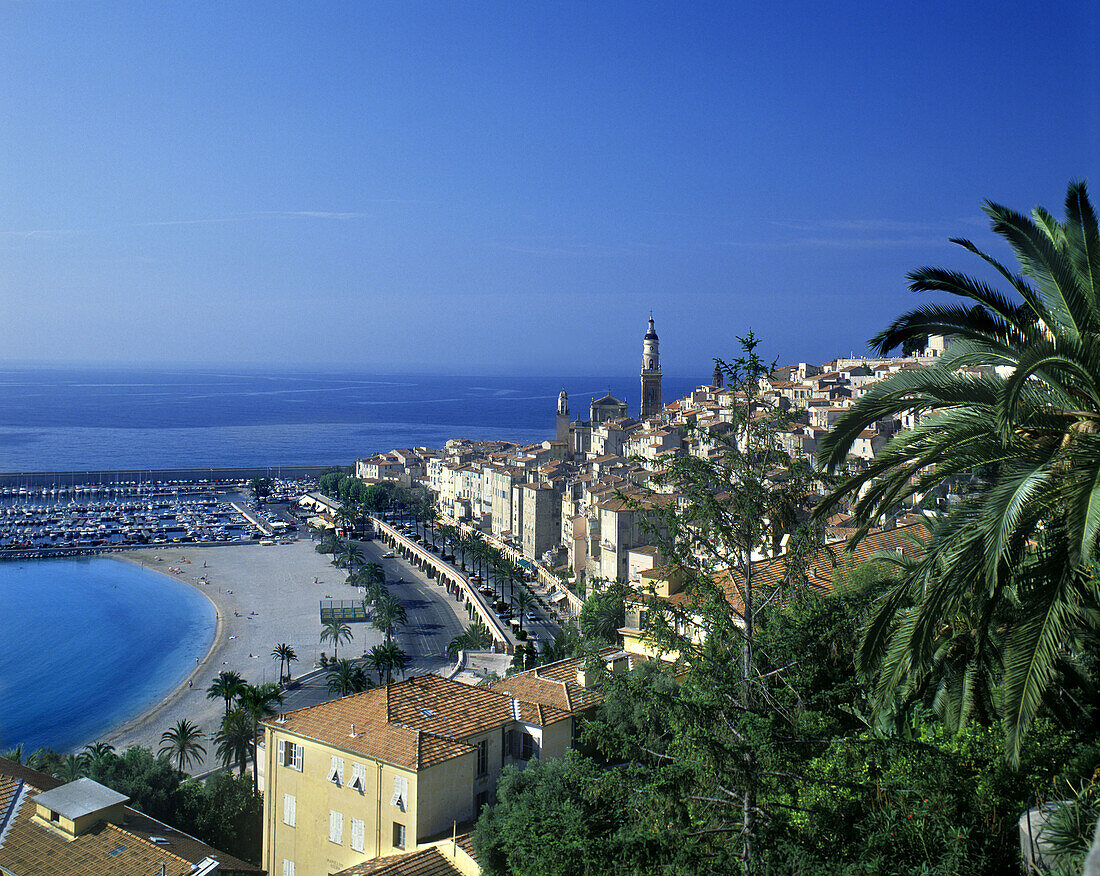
(90, 643)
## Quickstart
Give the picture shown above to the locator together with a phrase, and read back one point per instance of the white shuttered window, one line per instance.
(358, 835)
(336, 770)
(288, 867)
(290, 804)
(359, 776)
(335, 827)
(400, 796)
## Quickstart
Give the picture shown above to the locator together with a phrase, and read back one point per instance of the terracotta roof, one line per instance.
(422, 862)
(414, 723)
(137, 824)
(375, 736)
(30, 848)
(554, 686)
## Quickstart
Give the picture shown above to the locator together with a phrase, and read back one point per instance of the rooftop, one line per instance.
(82, 797)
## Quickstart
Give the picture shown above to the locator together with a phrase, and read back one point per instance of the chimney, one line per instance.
(353, 733)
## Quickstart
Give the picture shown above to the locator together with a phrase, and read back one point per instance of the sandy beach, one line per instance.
(264, 595)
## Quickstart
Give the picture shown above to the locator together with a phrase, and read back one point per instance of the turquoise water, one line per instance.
(90, 643)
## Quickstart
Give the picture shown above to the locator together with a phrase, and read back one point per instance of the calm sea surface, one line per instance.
(91, 419)
(89, 643)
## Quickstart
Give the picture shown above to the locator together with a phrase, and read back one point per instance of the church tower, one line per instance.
(718, 379)
(651, 374)
(562, 433)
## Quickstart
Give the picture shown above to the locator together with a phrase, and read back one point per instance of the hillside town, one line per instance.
(580, 508)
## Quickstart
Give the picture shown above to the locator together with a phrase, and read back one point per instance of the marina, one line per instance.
(70, 520)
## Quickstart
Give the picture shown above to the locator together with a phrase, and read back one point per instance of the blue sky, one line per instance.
(512, 187)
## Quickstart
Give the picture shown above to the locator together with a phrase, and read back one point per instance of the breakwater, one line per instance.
(212, 475)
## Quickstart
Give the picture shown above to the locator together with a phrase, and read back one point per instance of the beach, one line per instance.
(264, 595)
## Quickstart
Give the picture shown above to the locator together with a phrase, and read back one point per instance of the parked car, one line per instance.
(388, 555)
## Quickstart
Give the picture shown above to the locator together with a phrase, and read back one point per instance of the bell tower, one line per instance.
(562, 431)
(651, 374)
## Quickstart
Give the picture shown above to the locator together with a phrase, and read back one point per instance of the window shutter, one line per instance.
(335, 827)
(359, 777)
(400, 792)
(288, 867)
(336, 770)
(358, 835)
(289, 807)
(282, 753)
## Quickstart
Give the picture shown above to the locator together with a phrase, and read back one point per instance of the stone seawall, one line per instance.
(69, 478)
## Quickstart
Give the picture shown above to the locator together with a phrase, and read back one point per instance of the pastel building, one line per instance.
(385, 771)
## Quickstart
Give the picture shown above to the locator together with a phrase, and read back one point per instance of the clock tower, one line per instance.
(651, 374)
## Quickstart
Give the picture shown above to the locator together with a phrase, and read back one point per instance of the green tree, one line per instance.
(330, 543)
(1010, 415)
(285, 655)
(732, 505)
(227, 685)
(368, 575)
(97, 750)
(386, 658)
(346, 677)
(386, 613)
(45, 760)
(350, 556)
(476, 637)
(72, 767)
(183, 741)
(348, 517)
(336, 631)
(259, 702)
(224, 812)
(234, 740)
(604, 614)
(560, 817)
(151, 782)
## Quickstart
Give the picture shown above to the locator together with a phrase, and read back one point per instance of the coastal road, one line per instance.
(434, 619)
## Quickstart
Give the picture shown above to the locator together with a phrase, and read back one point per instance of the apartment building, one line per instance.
(382, 772)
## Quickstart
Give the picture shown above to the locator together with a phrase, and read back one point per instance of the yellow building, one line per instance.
(380, 772)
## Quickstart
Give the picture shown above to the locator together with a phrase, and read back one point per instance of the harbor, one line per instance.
(93, 518)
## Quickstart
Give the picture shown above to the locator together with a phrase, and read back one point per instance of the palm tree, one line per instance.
(234, 740)
(350, 556)
(336, 631)
(346, 677)
(387, 613)
(476, 637)
(14, 754)
(97, 752)
(183, 742)
(1021, 435)
(385, 658)
(522, 600)
(45, 760)
(348, 516)
(258, 702)
(330, 542)
(368, 575)
(285, 655)
(73, 767)
(227, 686)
